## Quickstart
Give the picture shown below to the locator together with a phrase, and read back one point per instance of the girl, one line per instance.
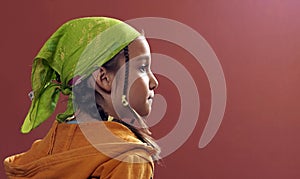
(103, 66)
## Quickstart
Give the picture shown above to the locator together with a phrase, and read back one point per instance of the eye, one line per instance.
(143, 68)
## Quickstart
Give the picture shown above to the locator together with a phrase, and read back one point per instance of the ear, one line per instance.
(103, 79)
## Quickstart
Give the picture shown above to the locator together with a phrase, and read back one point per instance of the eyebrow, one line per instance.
(142, 57)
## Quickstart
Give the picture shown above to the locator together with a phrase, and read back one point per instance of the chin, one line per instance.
(146, 113)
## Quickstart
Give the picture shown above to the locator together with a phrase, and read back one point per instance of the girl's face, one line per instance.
(141, 78)
(141, 81)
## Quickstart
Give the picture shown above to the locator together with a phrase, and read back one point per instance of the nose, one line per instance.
(153, 83)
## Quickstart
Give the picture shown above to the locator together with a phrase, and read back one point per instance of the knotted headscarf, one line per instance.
(73, 52)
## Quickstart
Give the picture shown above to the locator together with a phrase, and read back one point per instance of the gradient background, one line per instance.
(257, 43)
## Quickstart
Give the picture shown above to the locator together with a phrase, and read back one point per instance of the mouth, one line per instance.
(151, 96)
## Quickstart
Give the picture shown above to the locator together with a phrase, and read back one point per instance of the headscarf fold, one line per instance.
(72, 53)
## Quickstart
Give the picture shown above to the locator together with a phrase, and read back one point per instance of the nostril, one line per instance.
(153, 83)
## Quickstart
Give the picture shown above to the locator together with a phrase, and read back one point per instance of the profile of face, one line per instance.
(141, 82)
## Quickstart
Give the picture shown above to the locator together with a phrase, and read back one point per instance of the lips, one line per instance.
(151, 96)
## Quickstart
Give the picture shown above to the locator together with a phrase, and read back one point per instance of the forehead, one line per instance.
(138, 47)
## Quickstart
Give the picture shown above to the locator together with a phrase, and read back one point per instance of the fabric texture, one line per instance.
(71, 54)
(66, 153)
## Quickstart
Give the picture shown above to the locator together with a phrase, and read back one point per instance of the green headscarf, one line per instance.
(75, 50)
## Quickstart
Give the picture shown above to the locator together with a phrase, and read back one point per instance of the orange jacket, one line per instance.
(101, 149)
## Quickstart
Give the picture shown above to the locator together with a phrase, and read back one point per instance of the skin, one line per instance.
(142, 82)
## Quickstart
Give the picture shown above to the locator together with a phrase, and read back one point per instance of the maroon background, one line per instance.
(257, 43)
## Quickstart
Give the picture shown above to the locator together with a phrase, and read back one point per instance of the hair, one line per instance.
(84, 97)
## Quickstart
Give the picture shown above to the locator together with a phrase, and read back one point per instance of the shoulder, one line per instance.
(114, 139)
(122, 131)
(128, 165)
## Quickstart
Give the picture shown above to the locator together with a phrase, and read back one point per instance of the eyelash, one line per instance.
(143, 68)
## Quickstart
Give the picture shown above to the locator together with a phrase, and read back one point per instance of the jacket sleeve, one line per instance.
(129, 167)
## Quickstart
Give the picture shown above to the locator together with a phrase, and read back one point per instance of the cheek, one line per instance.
(138, 93)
